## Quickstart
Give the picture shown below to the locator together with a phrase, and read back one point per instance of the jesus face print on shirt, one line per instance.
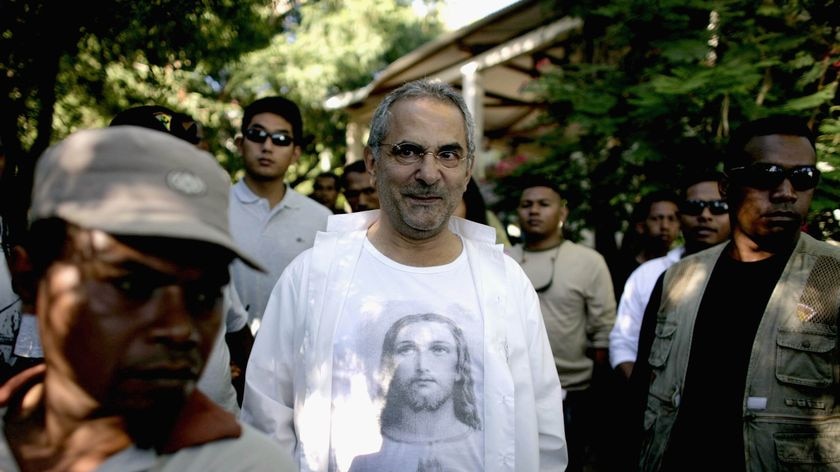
(428, 363)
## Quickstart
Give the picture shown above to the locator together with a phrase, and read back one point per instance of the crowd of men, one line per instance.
(157, 317)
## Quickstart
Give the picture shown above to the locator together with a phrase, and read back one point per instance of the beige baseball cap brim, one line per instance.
(133, 181)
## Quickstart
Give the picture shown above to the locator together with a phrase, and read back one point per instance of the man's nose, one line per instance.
(429, 171)
(174, 323)
(784, 192)
(420, 360)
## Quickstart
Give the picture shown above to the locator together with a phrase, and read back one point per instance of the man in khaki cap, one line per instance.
(129, 248)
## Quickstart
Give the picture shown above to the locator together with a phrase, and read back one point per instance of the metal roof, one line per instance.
(507, 49)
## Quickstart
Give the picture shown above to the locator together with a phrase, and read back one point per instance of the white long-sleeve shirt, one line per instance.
(624, 337)
(288, 391)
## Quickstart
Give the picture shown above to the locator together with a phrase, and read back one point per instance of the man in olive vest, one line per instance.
(741, 339)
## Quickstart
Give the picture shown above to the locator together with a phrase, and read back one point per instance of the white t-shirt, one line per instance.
(272, 236)
(428, 322)
(624, 337)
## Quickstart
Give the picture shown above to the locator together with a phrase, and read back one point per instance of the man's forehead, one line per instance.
(706, 187)
(539, 192)
(780, 147)
(410, 115)
(357, 179)
(662, 207)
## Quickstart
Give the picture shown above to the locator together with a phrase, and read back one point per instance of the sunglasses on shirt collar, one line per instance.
(769, 176)
(695, 207)
(258, 135)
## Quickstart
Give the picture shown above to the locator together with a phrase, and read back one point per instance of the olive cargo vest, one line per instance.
(791, 402)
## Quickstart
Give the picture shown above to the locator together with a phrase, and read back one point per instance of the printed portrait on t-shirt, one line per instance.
(426, 362)
(429, 413)
(9, 326)
(408, 370)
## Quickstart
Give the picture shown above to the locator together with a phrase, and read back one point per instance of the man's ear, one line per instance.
(370, 164)
(564, 214)
(23, 276)
(296, 152)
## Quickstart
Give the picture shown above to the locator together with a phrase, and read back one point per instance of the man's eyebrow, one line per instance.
(130, 266)
(280, 131)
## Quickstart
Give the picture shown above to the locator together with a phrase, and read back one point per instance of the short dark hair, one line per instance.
(358, 167)
(474, 202)
(146, 116)
(527, 181)
(642, 209)
(330, 175)
(279, 106)
(694, 178)
(776, 124)
(159, 118)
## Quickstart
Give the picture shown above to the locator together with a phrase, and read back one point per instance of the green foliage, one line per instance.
(334, 46)
(645, 94)
(652, 93)
(206, 58)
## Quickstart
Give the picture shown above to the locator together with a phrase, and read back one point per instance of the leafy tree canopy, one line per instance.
(68, 66)
(651, 93)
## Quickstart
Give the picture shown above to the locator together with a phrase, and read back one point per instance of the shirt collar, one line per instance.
(363, 220)
(245, 195)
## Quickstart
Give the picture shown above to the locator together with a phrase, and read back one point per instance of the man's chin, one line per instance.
(150, 416)
(780, 238)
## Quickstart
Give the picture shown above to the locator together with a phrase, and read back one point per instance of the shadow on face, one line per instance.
(129, 322)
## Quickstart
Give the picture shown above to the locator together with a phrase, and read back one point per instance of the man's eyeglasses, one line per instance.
(411, 153)
(769, 176)
(258, 135)
(695, 207)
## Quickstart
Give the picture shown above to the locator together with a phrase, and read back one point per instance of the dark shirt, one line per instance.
(712, 398)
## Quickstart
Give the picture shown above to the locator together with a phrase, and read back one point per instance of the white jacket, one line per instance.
(288, 391)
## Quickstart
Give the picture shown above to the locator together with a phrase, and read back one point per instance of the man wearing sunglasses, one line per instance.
(268, 218)
(704, 222)
(744, 335)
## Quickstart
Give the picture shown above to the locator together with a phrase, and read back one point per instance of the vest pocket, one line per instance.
(805, 357)
(661, 346)
(660, 415)
(802, 451)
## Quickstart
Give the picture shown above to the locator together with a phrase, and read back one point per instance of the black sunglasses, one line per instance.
(770, 176)
(258, 135)
(695, 207)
